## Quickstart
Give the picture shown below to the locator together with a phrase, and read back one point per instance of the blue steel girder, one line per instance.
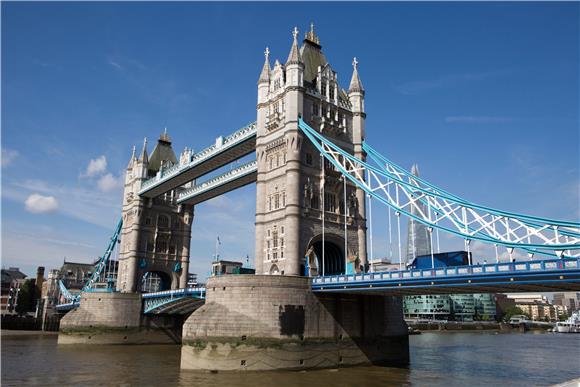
(224, 151)
(414, 198)
(178, 301)
(219, 185)
(531, 276)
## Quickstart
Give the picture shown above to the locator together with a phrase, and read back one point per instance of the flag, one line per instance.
(218, 241)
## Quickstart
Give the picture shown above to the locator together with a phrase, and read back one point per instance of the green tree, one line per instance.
(512, 311)
(27, 297)
(563, 317)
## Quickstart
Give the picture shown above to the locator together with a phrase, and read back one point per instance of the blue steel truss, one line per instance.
(177, 301)
(537, 276)
(219, 181)
(415, 198)
(99, 267)
(224, 144)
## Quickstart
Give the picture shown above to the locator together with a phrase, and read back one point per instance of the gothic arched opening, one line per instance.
(155, 281)
(334, 260)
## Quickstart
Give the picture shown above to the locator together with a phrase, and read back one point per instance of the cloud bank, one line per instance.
(39, 204)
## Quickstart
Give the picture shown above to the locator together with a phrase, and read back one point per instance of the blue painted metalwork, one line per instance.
(99, 267)
(159, 301)
(510, 275)
(218, 181)
(66, 293)
(244, 134)
(105, 258)
(464, 219)
(68, 306)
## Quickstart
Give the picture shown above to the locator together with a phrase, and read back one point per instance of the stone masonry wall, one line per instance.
(276, 322)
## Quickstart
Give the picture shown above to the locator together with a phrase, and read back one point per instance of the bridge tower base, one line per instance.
(116, 318)
(276, 322)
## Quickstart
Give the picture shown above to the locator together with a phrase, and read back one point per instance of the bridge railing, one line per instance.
(218, 180)
(197, 158)
(484, 269)
(175, 293)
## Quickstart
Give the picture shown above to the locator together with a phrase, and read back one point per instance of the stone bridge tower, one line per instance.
(154, 251)
(291, 174)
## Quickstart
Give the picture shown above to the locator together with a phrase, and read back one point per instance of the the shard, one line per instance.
(418, 241)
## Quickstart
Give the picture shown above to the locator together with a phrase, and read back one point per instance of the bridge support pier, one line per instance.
(116, 318)
(276, 322)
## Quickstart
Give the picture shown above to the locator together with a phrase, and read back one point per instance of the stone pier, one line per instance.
(276, 322)
(116, 318)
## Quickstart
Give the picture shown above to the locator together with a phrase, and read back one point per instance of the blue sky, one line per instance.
(483, 96)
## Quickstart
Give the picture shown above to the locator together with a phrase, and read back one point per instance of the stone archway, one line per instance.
(334, 258)
(274, 270)
(154, 281)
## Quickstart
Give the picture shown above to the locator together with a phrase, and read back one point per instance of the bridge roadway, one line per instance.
(224, 151)
(219, 185)
(550, 275)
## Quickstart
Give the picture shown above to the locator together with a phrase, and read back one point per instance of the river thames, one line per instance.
(437, 359)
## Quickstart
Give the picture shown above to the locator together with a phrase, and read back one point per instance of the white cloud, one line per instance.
(8, 156)
(39, 204)
(96, 167)
(89, 205)
(108, 182)
(115, 64)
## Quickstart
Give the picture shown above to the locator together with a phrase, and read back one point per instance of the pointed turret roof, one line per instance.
(144, 158)
(132, 159)
(294, 57)
(415, 170)
(163, 151)
(355, 83)
(265, 74)
(312, 55)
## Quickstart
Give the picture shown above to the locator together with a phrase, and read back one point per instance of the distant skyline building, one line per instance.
(418, 241)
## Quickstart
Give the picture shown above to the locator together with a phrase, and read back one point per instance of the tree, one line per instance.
(512, 311)
(27, 297)
(563, 317)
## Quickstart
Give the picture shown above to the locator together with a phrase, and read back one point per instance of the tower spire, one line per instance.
(265, 74)
(355, 83)
(144, 158)
(132, 159)
(311, 36)
(294, 57)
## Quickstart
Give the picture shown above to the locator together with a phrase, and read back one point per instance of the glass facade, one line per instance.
(457, 307)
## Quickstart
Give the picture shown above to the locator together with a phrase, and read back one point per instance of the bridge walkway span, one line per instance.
(224, 151)
(552, 275)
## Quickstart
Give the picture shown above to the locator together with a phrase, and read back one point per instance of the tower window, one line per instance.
(163, 221)
(308, 158)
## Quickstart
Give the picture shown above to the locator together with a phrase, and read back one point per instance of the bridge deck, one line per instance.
(535, 276)
(220, 185)
(229, 149)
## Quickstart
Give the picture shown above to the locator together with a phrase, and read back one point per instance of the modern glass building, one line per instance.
(436, 307)
(455, 307)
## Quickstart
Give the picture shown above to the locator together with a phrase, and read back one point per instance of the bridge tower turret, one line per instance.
(356, 97)
(290, 173)
(156, 232)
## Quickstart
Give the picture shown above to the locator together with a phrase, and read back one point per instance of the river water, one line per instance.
(437, 359)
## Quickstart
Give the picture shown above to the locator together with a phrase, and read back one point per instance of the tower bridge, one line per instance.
(314, 175)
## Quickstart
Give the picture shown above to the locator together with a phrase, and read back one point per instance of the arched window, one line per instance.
(163, 221)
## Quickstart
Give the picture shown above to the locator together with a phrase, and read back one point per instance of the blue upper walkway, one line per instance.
(224, 151)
